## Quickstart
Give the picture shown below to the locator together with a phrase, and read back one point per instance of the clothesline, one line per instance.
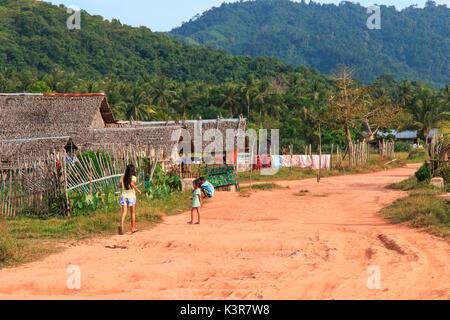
(302, 161)
(286, 161)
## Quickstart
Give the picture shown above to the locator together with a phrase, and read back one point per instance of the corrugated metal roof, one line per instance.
(407, 134)
(400, 135)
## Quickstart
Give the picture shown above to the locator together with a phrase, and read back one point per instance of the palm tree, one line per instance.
(54, 79)
(91, 86)
(136, 105)
(405, 93)
(161, 92)
(248, 90)
(26, 80)
(260, 95)
(160, 116)
(428, 112)
(275, 104)
(444, 96)
(229, 97)
(6, 83)
(185, 98)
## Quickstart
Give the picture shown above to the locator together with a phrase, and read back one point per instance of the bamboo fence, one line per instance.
(34, 187)
(360, 151)
(439, 150)
(387, 149)
(42, 186)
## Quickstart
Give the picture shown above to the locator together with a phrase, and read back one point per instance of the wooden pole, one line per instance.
(331, 156)
(65, 189)
(251, 162)
(320, 155)
(291, 151)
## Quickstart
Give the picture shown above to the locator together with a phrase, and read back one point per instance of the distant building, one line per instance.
(408, 135)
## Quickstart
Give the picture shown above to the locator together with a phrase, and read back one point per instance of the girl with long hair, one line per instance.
(128, 197)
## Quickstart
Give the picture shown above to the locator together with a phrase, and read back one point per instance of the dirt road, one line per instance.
(272, 245)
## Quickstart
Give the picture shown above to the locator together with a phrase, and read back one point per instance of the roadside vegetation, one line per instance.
(246, 191)
(424, 207)
(417, 156)
(264, 186)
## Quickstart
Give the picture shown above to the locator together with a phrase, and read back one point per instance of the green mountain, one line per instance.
(34, 37)
(413, 43)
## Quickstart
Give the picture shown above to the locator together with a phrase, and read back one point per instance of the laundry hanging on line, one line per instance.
(324, 161)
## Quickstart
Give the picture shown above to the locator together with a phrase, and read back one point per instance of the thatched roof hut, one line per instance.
(32, 125)
(147, 137)
(33, 116)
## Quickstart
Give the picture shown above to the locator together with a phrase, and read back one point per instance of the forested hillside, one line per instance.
(34, 36)
(412, 44)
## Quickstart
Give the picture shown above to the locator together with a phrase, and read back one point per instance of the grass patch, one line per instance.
(264, 187)
(28, 238)
(417, 156)
(421, 209)
(246, 191)
(409, 184)
(321, 195)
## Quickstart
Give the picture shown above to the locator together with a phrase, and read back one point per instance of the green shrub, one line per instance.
(8, 247)
(443, 173)
(82, 203)
(418, 154)
(4, 248)
(161, 185)
(422, 209)
(423, 174)
(402, 146)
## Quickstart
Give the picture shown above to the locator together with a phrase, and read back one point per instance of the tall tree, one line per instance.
(428, 112)
(248, 90)
(352, 107)
(161, 91)
(185, 98)
(346, 105)
(229, 98)
(136, 105)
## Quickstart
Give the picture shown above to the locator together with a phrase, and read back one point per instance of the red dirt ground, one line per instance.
(271, 245)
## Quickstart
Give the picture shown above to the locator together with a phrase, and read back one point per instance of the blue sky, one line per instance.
(163, 15)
